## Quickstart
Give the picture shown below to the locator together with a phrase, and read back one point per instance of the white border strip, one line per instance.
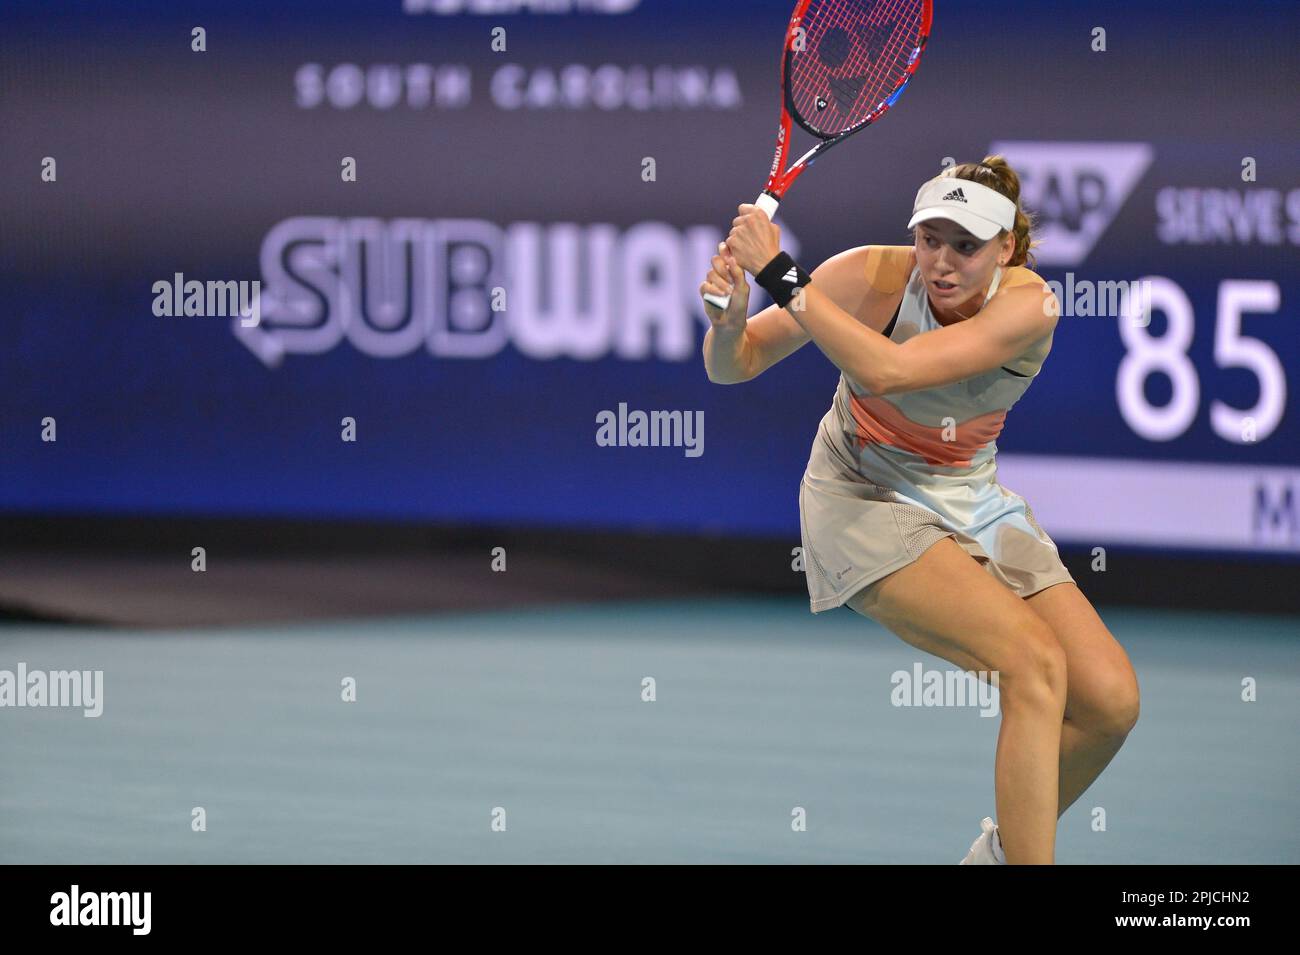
(1100, 501)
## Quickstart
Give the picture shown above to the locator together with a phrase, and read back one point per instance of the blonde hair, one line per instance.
(996, 173)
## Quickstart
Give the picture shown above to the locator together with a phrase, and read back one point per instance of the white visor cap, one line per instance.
(979, 210)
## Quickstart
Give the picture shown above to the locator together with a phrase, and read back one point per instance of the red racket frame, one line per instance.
(779, 182)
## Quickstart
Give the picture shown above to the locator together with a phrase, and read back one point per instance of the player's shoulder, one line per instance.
(1018, 278)
(1031, 294)
(880, 268)
(1018, 275)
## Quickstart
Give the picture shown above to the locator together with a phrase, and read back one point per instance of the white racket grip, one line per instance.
(769, 206)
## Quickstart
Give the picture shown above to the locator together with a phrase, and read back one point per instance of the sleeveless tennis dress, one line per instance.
(882, 483)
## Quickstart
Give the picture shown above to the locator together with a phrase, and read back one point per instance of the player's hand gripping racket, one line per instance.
(844, 64)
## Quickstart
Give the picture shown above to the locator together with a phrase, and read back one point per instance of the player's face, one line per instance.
(954, 263)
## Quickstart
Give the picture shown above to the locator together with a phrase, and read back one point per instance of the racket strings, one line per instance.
(855, 54)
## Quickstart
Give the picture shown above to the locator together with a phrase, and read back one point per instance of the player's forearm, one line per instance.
(727, 356)
(862, 353)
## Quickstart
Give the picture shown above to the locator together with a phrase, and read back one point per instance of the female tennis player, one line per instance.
(901, 512)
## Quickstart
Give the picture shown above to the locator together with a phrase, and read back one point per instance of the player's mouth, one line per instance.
(943, 286)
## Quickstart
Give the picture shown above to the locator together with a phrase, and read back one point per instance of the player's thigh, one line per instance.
(946, 604)
(1103, 688)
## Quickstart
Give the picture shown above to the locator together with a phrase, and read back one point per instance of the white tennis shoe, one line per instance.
(987, 849)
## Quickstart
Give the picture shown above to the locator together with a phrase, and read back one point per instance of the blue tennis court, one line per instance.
(760, 708)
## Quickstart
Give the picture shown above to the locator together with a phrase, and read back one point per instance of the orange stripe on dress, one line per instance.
(881, 422)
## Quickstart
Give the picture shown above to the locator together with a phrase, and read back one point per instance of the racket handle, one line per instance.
(768, 203)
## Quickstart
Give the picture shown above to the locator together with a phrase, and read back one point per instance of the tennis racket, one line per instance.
(844, 64)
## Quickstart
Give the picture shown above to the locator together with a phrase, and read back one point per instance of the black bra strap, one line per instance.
(894, 321)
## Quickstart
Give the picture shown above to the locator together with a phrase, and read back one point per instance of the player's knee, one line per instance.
(1033, 668)
(1119, 714)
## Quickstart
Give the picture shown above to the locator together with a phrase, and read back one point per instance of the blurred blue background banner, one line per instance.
(503, 276)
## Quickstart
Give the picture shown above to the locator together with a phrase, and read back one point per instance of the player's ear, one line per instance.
(1007, 250)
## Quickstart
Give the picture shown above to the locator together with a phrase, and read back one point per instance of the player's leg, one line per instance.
(946, 604)
(1101, 705)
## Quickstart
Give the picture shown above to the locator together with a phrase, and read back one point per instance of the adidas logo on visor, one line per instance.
(956, 194)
